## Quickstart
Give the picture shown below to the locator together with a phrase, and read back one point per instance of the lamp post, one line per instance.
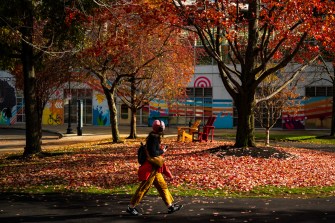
(69, 129)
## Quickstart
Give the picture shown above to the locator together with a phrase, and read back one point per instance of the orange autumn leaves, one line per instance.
(113, 165)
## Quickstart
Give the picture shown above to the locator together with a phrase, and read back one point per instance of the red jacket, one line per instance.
(145, 170)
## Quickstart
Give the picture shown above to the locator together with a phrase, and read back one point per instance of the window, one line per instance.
(199, 92)
(208, 92)
(330, 91)
(202, 57)
(318, 91)
(199, 103)
(79, 94)
(124, 111)
(310, 91)
(21, 117)
(190, 92)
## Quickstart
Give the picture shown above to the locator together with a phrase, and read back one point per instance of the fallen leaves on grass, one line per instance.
(195, 165)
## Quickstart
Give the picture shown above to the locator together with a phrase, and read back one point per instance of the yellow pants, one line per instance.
(158, 181)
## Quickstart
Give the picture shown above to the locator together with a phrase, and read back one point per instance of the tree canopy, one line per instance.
(29, 29)
(262, 37)
(128, 43)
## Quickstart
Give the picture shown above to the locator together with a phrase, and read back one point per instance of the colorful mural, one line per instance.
(195, 108)
(158, 109)
(53, 113)
(7, 101)
(318, 107)
(202, 81)
(100, 110)
(223, 109)
(183, 112)
(313, 113)
(318, 112)
(189, 110)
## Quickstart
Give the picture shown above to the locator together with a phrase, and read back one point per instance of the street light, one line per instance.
(69, 129)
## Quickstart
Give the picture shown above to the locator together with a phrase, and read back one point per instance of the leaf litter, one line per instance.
(215, 165)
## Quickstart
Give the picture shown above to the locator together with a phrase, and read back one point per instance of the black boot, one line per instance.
(133, 211)
(174, 208)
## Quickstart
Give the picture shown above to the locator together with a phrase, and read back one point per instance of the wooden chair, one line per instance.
(189, 136)
(185, 132)
(207, 130)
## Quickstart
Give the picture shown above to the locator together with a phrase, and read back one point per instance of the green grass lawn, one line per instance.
(294, 136)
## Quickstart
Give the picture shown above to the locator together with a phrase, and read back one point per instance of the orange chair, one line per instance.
(189, 136)
(208, 129)
(185, 132)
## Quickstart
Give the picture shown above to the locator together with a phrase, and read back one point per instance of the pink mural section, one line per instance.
(203, 82)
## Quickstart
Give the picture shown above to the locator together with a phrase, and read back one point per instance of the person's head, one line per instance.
(158, 126)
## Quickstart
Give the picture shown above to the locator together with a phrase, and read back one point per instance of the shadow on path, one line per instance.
(111, 208)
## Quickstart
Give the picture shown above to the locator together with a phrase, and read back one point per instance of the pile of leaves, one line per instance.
(203, 166)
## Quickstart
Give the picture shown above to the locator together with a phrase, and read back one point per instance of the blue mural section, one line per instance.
(158, 111)
(223, 109)
(101, 114)
(100, 117)
(223, 121)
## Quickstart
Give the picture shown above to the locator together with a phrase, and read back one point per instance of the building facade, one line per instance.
(206, 96)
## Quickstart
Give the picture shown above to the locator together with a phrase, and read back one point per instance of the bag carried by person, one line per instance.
(156, 161)
(143, 155)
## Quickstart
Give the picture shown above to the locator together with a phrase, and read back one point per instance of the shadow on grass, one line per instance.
(40, 155)
(256, 152)
(325, 137)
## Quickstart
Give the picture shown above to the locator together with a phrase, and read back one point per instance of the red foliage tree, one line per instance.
(128, 41)
(258, 33)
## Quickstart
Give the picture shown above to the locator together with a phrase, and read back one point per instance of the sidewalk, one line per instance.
(12, 138)
(77, 208)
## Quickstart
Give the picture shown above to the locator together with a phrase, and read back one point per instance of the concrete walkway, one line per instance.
(12, 138)
(77, 208)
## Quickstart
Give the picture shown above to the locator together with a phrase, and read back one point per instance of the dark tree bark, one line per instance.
(33, 134)
(113, 114)
(132, 134)
(332, 128)
(245, 128)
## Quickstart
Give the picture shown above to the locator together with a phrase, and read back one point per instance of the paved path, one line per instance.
(111, 208)
(12, 138)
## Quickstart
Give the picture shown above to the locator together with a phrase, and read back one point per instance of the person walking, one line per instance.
(152, 170)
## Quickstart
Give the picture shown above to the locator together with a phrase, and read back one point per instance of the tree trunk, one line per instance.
(33, 139)
(133, 109)
(113, 115)
(267, 134)
(332, 128)
(39, 124)
(245, 128)
(132, 134)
